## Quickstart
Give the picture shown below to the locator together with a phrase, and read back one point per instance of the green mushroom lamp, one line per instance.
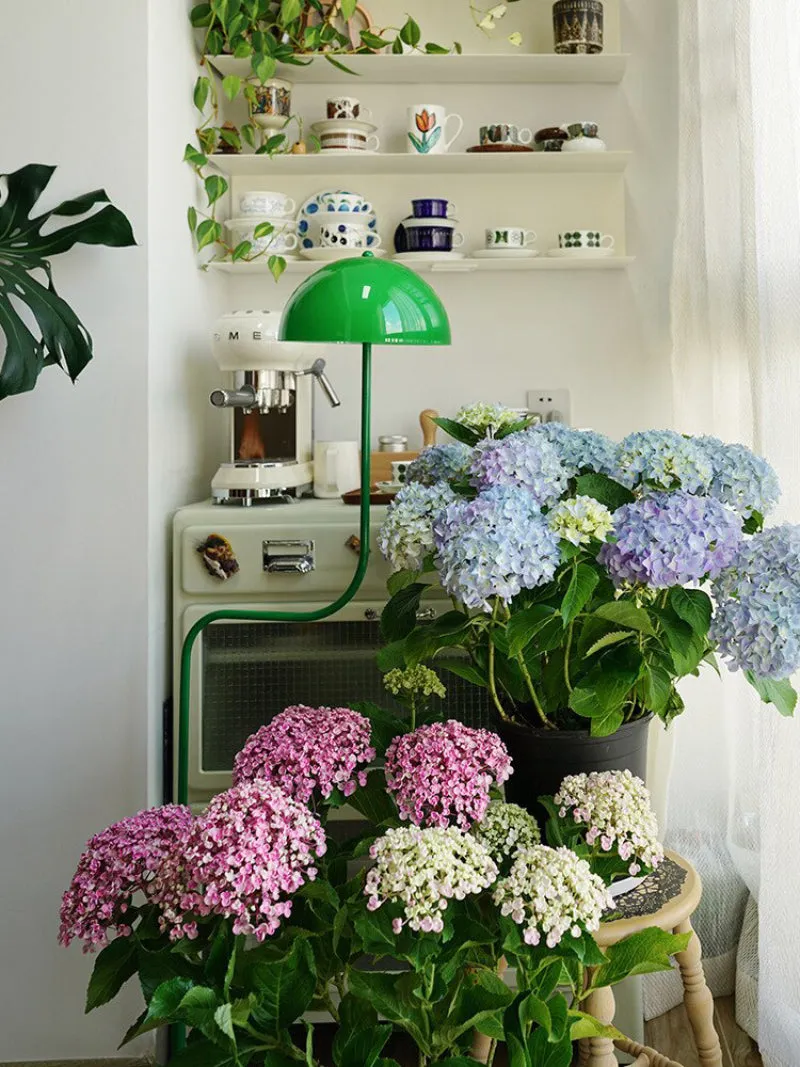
(365, 301)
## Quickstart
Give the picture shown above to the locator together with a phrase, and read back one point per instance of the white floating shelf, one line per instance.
(478, 163)
(461, 266)
(519, 68)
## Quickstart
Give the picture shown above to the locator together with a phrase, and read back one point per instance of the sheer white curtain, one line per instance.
(734, 799)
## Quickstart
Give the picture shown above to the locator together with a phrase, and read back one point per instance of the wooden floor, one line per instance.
(670, 1034)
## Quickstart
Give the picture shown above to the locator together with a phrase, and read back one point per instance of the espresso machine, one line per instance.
(271, 397)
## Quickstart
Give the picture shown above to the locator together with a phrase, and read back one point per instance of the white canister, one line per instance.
(336, 468)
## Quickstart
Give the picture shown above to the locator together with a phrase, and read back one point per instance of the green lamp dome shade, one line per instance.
(365, 300)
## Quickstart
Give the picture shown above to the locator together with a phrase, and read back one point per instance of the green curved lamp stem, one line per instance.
(283, 616)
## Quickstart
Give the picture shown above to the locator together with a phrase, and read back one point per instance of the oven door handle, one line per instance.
(288, 557)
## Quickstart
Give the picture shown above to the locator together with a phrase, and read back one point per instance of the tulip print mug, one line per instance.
(427, 129)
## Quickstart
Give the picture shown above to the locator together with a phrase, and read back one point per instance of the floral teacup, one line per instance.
(426, 129)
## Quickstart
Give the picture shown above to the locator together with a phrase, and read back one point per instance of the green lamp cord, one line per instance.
(283, 616)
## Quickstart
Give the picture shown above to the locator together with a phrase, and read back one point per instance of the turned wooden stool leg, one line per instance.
(601, 1049)
(698, 1000)
(583, 1052)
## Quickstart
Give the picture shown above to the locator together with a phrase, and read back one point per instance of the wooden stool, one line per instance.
(667, 899)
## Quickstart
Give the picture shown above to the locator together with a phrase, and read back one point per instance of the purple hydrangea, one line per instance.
(741, 479)
(406, 536)
(756, 622)
(494, 546)
(670, 539)
(664, 459)
(440, 463)
(580, 450)
(525, 460)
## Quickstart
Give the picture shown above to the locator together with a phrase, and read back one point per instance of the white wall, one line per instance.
(73, 494)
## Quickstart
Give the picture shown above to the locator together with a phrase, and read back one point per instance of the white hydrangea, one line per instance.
(406, 536)
(484, 417)
(580, 519)
(615, 808)
(506, 829)
(550, 892)
(423, 870)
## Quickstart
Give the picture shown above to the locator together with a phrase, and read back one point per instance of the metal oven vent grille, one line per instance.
(252, 671)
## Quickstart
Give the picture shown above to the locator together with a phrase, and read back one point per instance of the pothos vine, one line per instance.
(268, 33)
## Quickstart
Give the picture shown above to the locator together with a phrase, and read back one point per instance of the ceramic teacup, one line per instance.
(341, 200)
(432, 237)
(347, 235)
(580, 129)
(262, 202)
(282, 238)
(433, 208)
(504, 133)
(583, 239)
(425, 132)
(271, 103)
(346, 107)
(400, 472)
(509, 237)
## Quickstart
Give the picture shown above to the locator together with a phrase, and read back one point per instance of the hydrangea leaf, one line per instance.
(604, 489)
(458, 432)
(58, 336)
(624, 613)
(648, 951)
(112, 969)
(780, 693)
(582, 584)
(285, 990)
(693, 606)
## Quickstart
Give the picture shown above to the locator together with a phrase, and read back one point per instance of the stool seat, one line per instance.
(667, 899)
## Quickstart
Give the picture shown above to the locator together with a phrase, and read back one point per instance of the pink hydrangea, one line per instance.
(441, 774)
(306, 749)
(116, 864)
(247, 854)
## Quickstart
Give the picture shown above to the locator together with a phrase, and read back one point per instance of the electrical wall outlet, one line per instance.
(554, 405)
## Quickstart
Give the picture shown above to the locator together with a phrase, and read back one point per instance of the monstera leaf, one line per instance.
(40, 328)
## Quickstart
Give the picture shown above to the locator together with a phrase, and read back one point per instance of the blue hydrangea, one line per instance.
(756, 622)
(440, 463)
(494, 546)
(664, 459)
(406, 536)
(580, 450)
(526, 460)
(668, 539)
(741, 479)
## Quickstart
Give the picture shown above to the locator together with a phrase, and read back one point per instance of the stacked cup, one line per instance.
(430, 229)
(265, 206)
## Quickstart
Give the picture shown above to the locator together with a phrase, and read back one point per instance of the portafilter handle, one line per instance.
(317, 368)
(234, 398)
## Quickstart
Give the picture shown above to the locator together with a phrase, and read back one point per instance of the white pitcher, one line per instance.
(336, 468)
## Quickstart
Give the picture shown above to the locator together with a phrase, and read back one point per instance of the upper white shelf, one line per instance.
(362, 163)
(456, 266)
(519, 68)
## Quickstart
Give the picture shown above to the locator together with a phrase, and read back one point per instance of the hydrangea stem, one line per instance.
(492, 679)
(526, 674)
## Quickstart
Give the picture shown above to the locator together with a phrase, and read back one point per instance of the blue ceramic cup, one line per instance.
(433, 208)
(431, 238)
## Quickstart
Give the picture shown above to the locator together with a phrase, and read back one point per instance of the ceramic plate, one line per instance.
(347, 152)
(343, 125)
(505, 253)
(580, 253)
(428, 257)
(327, 254)
(388, 487)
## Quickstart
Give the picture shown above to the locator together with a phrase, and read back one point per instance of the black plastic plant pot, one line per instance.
(543, 758)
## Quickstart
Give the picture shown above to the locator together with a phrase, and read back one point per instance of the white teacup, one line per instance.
(580, 240)
(509, 237)
(337, 234)
(282, 238)
(426, 129)
(346, 107)
(265, 203)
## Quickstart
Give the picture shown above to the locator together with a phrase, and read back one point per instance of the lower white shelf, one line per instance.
(461, 266)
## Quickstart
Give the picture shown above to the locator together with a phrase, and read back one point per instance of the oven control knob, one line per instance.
(371, 615)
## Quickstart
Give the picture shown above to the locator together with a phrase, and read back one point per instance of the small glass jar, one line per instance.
(393, 442)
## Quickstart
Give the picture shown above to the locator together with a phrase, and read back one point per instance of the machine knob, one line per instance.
(234, 398)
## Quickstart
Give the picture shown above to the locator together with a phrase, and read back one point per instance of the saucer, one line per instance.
(327, 255)
(343, 126)
(427, 257)
(505, 253)
(389, 487)
(581, 253)
(347, 152)
(506, 147)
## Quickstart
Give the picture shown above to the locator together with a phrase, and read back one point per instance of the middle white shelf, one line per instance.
(458, 266)
(400, 163)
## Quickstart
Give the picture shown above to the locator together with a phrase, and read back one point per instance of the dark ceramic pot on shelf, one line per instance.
(543, 758)
(578, 26)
